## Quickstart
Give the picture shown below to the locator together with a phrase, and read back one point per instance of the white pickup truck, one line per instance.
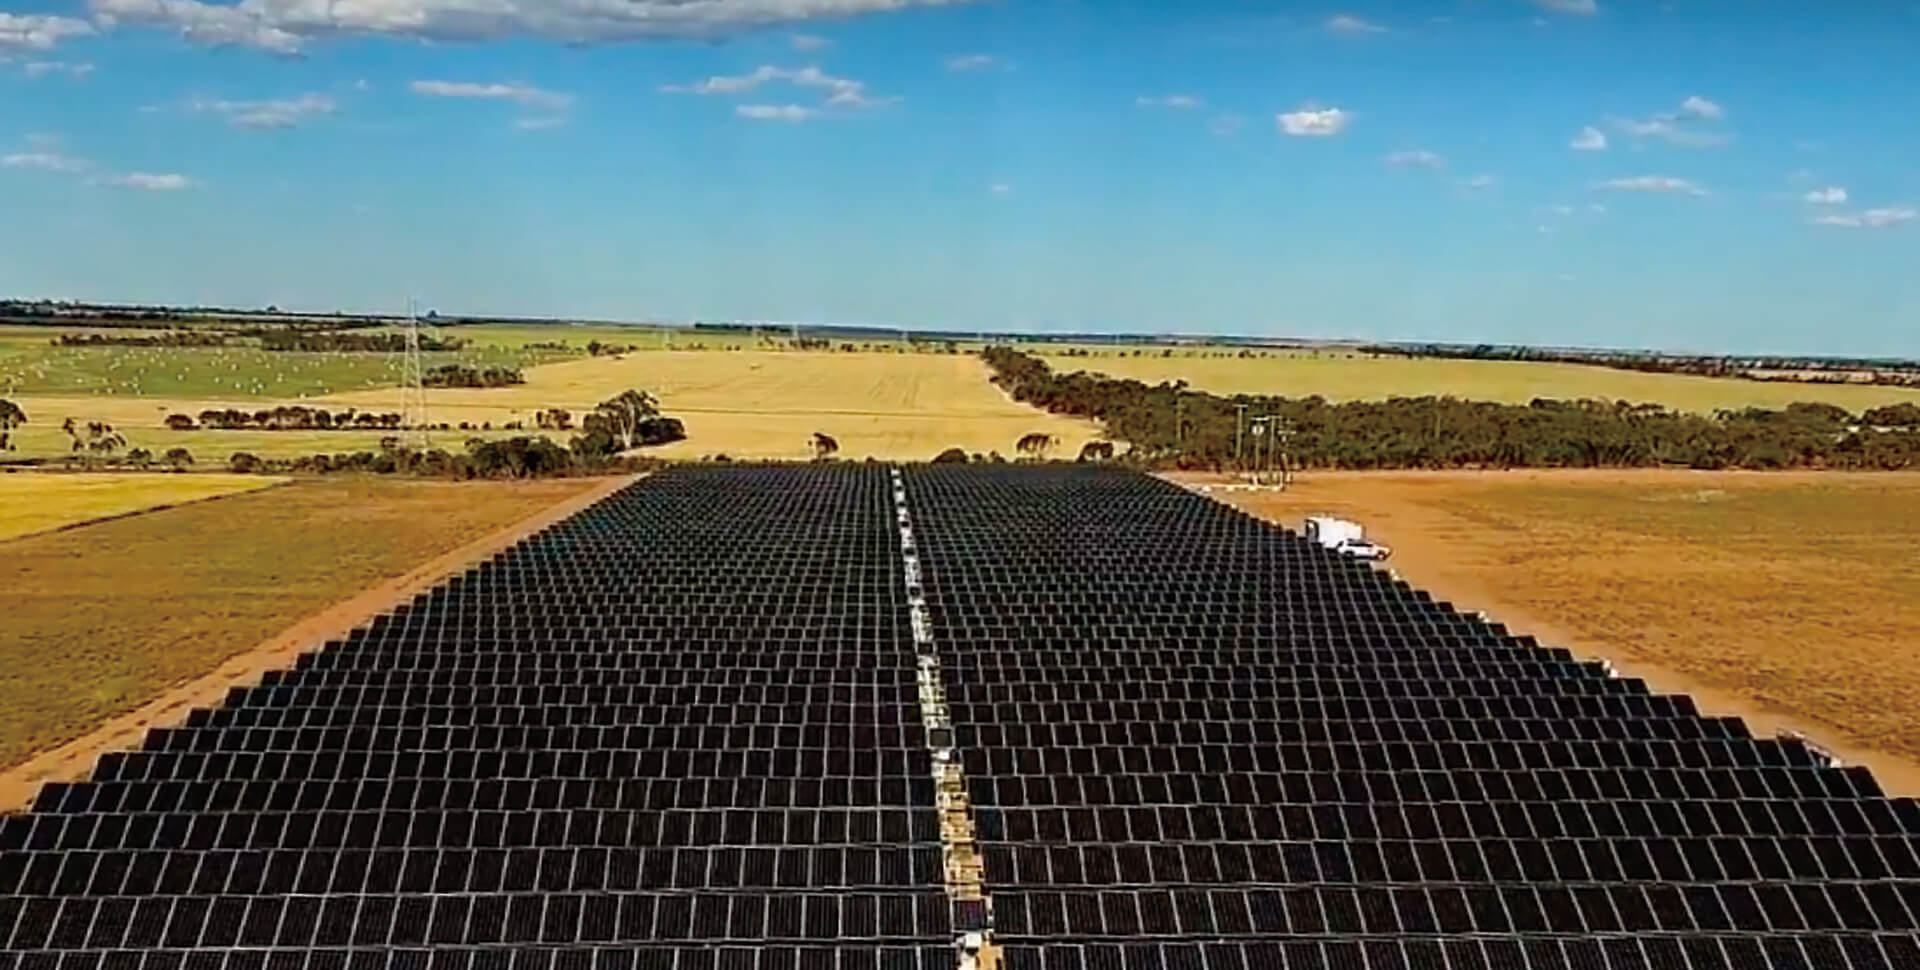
(1344, 537)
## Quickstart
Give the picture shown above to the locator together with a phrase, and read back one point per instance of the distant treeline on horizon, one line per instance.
(1731, 364)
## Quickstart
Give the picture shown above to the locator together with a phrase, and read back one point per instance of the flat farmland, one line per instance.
(767, 404)
(30, 366)
(134, 606)
(1790, 598)
(141, 421)
(33, 502)
(1353, 376)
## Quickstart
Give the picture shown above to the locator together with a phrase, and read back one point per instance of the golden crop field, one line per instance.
(1343, 375)
(134, 606)
(33, 502)
(1792, 597)
(767, 404)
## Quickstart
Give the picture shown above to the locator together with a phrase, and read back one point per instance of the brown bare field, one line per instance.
(104, 618)
(1791, 599)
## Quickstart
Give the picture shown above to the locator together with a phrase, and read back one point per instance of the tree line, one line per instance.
(278, 339)
(615, 426)
(1884, 371)
(1172, 425)
(461, 375)
(353, 343)
(285, 418)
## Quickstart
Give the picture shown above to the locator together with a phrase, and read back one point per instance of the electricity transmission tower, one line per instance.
(413, 386)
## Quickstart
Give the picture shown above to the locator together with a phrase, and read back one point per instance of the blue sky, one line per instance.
(1687, 174)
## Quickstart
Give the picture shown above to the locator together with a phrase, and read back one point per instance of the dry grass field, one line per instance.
(1792, 598)
(766, 404)
(744, 404)
(33, 502)
(134, 606)
(1351, 376)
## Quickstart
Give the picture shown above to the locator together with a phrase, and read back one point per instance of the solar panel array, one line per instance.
(682, 730)
(678, 730)
(1195, 740)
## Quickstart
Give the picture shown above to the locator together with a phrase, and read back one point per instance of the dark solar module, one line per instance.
(682, 730)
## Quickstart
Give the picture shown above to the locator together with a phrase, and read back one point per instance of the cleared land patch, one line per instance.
(766, 404)
(1352, 376)
(33, 502)
(1793, 595)
(131, 607)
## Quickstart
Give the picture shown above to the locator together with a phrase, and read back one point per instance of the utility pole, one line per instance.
(1282, 436)
(1239, 420)
(413, 390)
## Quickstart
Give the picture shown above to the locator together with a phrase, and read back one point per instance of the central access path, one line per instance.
(847, 716)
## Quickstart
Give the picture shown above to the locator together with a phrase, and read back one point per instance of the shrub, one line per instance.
(952, 456)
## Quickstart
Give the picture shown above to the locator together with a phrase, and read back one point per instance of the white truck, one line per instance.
(1344, 537)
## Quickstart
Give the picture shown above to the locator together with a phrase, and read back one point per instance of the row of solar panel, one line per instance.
(1382, 910)
(388, 920)
(392, 828)
(1212, 727)
(512, 794)
(251, 872)
(784, 751)
(273, 872)
(1802, 952)
(1681, 824)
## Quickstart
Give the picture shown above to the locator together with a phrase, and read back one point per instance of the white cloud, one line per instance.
(1698, 107)
(1559, 210)
(46, 161)
(148, 182)
(1480, 182)
(285, 26)
(1226, 124)
(729, 84)
(1000, 188)
(1417, 158)
(43, 139)
(1581, 7)
(770, 112)
(516, 92)
(539, 124)
(1663, 184)
(70, 68)
(809, 42)
(1680, 127)
(363, 85)
(841, 92)
(1353, 26)
(1596, 208)
(1178, 102)
(1831, 195)
(212, 25)
(1590, 139)
(264, 115)
(1870, 219)
(1314, 122)
(38, 32)
(970, 62)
